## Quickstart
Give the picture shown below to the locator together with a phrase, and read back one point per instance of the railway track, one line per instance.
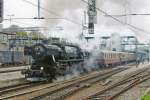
(21, 89)
(117, 88)
(12, 88)
(38, 91)
(61, 93)
(129, 86)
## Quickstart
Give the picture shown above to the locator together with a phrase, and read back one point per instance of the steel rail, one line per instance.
(72, 88)
(128, 78)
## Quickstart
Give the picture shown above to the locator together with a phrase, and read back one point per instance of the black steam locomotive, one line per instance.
(52, 60)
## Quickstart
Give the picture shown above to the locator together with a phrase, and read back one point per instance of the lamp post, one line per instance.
(10, 18)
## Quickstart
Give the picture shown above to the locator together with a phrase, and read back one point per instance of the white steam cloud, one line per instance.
(74, 11)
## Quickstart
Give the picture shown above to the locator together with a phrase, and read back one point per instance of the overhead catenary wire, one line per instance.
(100, 10)
(34, 18)
(28, 27)
(133, 14)
(132, 26)
(14, 20)
(51, 12)
(46, 10)
(22, 23)
(33, 27)
(75, 22)
(54, 13)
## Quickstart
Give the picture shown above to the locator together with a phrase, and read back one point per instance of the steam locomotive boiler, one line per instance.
(51, 60)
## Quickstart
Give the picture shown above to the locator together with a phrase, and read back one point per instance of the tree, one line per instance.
(22, 34)
(36, 35)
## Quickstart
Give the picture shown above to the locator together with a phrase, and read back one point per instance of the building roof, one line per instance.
(4, 33)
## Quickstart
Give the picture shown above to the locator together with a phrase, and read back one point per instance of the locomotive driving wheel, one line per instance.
(50, 72)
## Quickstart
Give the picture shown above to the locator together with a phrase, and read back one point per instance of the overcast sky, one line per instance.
(73, 9)
(19, 9)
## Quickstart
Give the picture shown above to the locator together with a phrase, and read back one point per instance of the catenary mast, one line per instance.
(92, 16)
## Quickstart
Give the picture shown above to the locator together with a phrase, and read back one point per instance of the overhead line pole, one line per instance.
(39, 17)
(116, 19)
(39, 5)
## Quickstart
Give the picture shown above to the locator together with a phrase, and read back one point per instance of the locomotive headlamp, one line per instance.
(42, 68)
